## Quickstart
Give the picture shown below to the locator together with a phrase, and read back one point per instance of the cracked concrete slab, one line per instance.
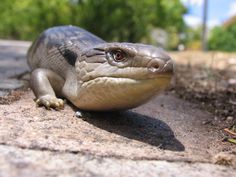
(12, 64)
(166, 128)
(26, 163)
(165, 137)
(12, 58)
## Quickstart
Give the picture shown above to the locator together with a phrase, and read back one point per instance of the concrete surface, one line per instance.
(165, 137)
(24, 162)
(12, 58)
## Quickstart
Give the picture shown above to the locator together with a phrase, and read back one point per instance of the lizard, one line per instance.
(68, 62)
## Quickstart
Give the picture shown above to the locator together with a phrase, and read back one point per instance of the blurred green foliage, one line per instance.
(24, 19)
(112, 20)
(193, 38)
(130, 20)
(223, 38)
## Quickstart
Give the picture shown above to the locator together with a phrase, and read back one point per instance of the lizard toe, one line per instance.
(49, 101)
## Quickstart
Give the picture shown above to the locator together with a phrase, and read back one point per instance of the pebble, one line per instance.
(229, 118)
(78, 114)
(232, 81)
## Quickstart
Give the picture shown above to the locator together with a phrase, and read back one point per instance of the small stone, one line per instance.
(83, 115)
(232, 81)
(78, 114)
(229, 118)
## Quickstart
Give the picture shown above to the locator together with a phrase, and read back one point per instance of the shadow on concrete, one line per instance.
(137, 126)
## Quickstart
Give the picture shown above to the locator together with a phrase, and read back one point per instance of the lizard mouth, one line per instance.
(110, 93)
(129, 79)
(134, 74)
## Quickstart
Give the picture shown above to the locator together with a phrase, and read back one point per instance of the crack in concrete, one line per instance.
(43, 149)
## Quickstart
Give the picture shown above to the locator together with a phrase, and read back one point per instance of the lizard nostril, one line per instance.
(154, 66)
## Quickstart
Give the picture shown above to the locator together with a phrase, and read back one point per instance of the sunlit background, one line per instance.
(174, 25)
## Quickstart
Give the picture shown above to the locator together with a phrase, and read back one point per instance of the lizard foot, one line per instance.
(50, 101)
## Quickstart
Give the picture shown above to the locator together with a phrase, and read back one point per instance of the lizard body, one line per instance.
(71, 63)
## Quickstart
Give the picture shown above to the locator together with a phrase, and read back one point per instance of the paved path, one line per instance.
(165, 137)
(12, 64)
(12, 58)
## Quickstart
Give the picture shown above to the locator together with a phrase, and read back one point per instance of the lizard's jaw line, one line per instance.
(109, 93)
(127, 79)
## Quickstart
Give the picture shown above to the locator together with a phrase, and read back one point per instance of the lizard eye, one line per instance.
(118, 55)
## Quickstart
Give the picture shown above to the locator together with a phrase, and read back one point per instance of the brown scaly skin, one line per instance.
(69, 62)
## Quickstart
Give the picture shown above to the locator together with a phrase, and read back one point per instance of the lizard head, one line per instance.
(116, 76)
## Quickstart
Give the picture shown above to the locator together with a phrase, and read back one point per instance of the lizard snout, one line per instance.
(157, 66)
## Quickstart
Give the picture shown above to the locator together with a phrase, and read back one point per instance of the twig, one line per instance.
(229, 132)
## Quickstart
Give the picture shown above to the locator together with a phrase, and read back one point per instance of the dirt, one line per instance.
(209, 80)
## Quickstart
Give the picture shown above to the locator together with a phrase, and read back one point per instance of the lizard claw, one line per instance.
(50, 101)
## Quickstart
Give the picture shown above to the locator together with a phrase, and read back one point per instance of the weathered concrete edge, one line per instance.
(112, 156)
(216, 166)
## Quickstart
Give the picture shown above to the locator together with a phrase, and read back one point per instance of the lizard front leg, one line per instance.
(46, 84)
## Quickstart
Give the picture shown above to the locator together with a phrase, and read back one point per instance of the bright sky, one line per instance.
(218, 11)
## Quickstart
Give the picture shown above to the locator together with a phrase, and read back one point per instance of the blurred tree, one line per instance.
(129, 20)
(223, 37)
(193, 38)
(26, 18)
(116, 20)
